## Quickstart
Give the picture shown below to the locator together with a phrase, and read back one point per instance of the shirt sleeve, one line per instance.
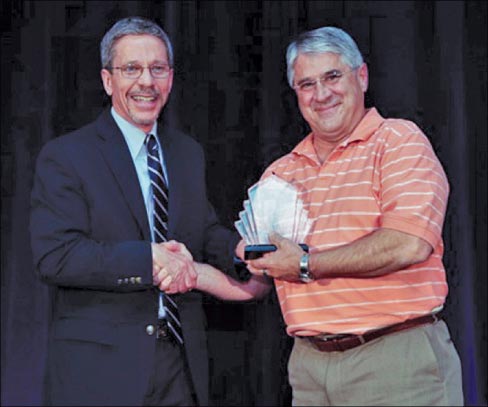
(413, 185)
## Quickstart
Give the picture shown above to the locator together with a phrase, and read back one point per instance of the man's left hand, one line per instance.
(283, 264)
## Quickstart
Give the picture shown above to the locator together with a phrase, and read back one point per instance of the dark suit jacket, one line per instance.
(91, 241)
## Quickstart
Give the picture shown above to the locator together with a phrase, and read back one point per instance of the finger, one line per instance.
(155, 270)
(190, 281)
(255, 270)
(261, 263)
(275, 238)
(193, 272)
(181, 286)
(240, 249)
(171, 289)
(163, 273)
(165, 283)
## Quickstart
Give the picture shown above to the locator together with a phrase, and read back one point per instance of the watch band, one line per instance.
(305, 274)
(304, 263)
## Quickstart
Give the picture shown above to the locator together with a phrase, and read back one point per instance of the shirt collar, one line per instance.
(134, 137)
(370, 122)
(368, 125)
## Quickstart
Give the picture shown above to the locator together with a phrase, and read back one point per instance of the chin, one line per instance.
(144, 120)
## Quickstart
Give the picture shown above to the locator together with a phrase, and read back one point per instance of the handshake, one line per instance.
(274, 218)
(174, 270)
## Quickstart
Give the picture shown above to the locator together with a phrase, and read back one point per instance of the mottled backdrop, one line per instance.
(427, 63)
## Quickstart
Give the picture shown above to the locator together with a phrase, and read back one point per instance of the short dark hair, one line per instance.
(131, 26)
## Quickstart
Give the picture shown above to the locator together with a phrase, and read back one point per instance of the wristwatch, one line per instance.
(306, 275)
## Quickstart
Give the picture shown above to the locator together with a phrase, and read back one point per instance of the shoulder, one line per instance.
(400, 128)
(278, 165)
(73, 142)
(400, 132)
(180, 140)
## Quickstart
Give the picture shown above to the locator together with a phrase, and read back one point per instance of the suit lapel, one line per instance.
(119, 160)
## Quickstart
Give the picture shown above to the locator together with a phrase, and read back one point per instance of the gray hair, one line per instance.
(325, 39)
(131, 26)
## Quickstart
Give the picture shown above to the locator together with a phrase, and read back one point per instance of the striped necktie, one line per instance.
(160, 226)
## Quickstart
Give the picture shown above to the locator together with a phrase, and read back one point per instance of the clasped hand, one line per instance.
(173, 267)
(283, 264)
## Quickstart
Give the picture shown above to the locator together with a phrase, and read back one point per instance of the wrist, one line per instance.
(200, 271)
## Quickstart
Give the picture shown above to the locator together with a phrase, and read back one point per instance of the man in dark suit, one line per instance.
(93, 240)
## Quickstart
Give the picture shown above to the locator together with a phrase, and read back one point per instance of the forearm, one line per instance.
(216, 283)
(84, 263)
(378, 253)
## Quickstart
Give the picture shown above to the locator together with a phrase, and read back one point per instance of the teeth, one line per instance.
(143, 98)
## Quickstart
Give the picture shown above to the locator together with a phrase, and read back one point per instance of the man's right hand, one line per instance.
(173, 268)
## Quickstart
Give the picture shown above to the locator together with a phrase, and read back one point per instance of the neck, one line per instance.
(324, 144)
(323, 148)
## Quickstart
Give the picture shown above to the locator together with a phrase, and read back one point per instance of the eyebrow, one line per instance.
(329, 72)
(155, 62)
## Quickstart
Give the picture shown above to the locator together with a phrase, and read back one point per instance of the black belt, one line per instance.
(340, 343)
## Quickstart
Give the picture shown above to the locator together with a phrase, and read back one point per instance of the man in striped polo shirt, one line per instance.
(362, 304)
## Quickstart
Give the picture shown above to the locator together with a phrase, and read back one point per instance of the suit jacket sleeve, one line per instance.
(65, 248)
(220, 243)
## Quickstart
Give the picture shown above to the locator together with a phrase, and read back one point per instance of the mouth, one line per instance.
(143, 98)
(327, 110)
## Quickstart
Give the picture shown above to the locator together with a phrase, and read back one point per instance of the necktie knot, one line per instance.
(151, 142)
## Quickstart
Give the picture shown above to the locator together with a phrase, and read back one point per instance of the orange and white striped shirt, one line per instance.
(384, 175)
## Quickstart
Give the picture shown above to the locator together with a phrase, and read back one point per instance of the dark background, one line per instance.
(427, 63)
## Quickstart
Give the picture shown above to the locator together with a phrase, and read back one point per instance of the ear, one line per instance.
(107, 81)
(363, 76)
(170, 80)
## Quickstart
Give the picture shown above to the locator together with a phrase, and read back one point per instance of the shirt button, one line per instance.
(150, 329)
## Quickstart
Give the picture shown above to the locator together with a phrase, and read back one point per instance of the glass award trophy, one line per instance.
(273, 205)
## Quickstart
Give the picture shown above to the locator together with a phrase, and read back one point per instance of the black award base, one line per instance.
(255, 251)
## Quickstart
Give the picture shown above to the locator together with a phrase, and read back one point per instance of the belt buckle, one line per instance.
(342, 342)
(332, 338)
(162, 330)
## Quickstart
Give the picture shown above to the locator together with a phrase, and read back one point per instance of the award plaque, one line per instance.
(273, 205)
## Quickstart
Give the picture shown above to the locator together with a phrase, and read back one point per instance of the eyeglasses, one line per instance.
(134, 71)
(327, 79)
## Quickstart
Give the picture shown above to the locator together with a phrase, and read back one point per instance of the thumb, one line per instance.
(275, 238)
(172, 245)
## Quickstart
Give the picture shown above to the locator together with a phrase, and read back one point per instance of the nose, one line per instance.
(146, 78)
(322, 91)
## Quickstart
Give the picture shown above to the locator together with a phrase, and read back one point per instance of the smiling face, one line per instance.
(141, 100)
(332, 110)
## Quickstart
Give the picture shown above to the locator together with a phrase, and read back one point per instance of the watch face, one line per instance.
(306, 277)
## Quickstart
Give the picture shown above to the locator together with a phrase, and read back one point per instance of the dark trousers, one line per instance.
(170, 382)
